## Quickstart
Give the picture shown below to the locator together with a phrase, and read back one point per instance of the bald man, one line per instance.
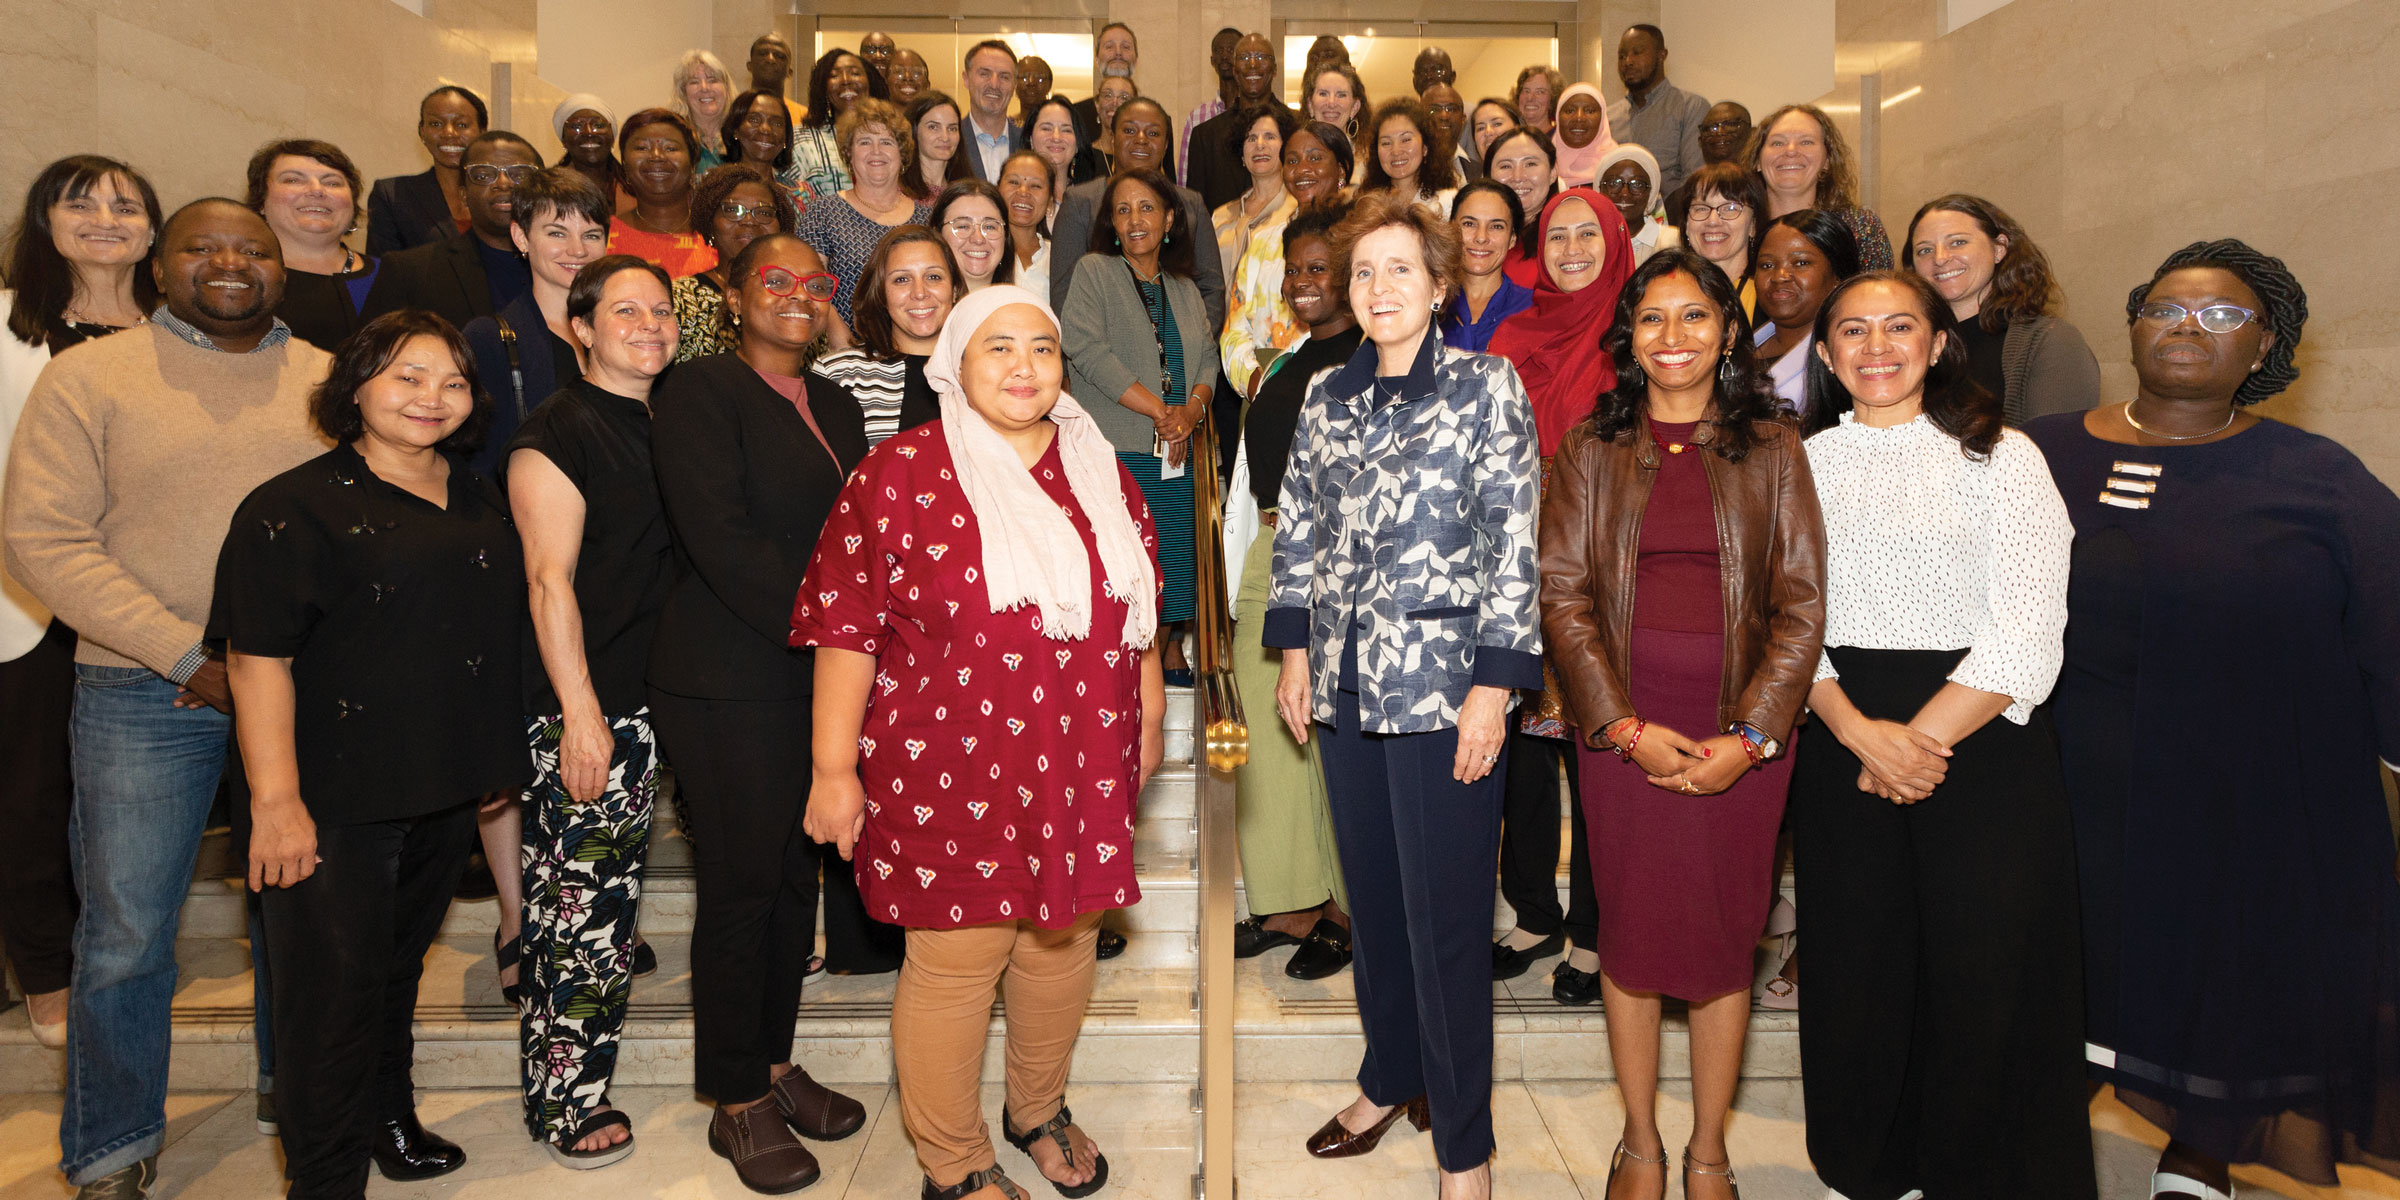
(1214, 168)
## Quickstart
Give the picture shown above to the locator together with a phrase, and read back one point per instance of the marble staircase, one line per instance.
(1143, 1024)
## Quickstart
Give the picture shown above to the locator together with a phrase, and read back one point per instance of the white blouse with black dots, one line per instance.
(1926, 549)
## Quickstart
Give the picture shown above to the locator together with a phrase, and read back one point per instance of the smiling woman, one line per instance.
(659, 149)
(308, 192)
(415, 210)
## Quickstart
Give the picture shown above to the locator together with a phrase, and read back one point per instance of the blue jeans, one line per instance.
(145, 774)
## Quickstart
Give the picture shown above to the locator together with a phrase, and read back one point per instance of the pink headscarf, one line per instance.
(1031, 552)
(1577, 168)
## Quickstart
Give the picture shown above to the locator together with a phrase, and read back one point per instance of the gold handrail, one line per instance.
(1226, 745)
(1226, 735)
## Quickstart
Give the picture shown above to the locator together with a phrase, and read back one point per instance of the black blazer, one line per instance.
(1087, 118)
(1215, 168)
(966, 145)
(405, 211)
(445, 278)
(747, 489)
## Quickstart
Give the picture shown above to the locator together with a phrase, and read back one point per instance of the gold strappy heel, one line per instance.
(1618, 1160)
(1693, 1166)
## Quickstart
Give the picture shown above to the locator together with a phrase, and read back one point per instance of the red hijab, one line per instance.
(1555, 343)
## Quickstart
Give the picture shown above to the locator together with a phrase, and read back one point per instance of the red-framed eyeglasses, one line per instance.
(820, 285)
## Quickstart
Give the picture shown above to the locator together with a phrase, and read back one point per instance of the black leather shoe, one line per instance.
(1570, 986)
(1508, 964)
(406, 1151)
(476, 883)
(643, 960)
(1325, 952)
(1251, 938)
(1110, 945)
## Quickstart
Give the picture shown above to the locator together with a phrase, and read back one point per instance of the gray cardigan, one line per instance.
(1110, 346)
(2046, 368)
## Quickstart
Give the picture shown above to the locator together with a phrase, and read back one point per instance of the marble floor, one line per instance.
(1554, 1144)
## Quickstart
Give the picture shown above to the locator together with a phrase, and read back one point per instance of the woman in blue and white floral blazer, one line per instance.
(1403, 596)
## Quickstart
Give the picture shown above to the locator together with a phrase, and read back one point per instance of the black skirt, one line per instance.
(1942, 1043)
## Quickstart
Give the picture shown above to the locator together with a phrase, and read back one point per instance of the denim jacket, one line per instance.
(1408, 524)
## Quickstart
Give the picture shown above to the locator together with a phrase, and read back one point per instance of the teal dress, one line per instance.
(1170, 500)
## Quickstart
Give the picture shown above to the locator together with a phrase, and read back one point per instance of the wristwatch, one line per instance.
(1767, 747)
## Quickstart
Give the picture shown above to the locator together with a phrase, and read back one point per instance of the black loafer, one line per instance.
(643, 960)
(405, 1150)
(1508, 964)
(1324, 952)
(1251, 938)
(1570, 986)
(1110, 945)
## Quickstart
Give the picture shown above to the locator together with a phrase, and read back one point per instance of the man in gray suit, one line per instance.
(1143, 138)
(988, 136)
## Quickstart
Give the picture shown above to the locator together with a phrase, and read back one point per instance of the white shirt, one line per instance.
(1035, 276)
(1788, 376)
(1926, 549)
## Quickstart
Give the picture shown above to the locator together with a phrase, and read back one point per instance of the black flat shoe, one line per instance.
(1110, 945)
(645, 960)
(1325, 952)
(1251, 938)
(1570, 986)
(510, 953)
(406, 1151)
(1508, 964)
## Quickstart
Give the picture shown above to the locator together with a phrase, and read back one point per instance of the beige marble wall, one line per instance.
(186, 91)
(2119, 132)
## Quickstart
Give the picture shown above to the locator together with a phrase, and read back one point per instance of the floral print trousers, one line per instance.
(583, 877)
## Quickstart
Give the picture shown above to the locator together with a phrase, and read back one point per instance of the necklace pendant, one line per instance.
(1675, 447)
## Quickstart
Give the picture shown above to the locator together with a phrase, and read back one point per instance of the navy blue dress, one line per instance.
(2232, 676)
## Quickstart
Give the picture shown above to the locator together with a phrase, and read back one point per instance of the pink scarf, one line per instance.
(1577, 168)
(1031, 552)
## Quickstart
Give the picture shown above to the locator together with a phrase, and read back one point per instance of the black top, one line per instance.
(323, 309)
(1215, 169)
(446, 278)
(918, 404)
(748, 488)
(1983, 356)
(1274, 414)
(601, 442)
(402, 621)
(405, 211)
(543, 362)
(505, 273)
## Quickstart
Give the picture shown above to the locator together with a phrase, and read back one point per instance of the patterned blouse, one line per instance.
(817, 161)
(1258, 319)
(1000, 763)
(700, 315)
(846, 238)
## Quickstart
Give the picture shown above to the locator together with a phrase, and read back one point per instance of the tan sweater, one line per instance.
(133, 452)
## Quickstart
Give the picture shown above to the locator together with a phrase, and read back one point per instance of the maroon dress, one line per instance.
(1000, 764)
(1683, 882)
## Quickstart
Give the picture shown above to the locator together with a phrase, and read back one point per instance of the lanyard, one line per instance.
(1165, 374)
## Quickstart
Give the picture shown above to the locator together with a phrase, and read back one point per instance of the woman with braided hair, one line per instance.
(2241, 921)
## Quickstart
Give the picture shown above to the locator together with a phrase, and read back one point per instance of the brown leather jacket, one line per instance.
(1770, 543)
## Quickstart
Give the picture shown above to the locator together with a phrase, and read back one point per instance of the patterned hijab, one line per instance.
(1556, 342)
(1031, 552)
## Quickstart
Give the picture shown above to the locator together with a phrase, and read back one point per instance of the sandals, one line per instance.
(987, 1177)
(509, 955)
(1617, 1161)
(564, 1154)
(1693, 1166)
(1056, 1130)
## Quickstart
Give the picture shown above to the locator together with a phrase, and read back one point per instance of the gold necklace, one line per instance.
(2175, 437)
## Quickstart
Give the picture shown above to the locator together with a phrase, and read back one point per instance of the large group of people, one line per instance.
(810, 448)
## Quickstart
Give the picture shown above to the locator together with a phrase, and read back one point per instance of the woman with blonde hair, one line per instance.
(1537, 94)
(703, 89)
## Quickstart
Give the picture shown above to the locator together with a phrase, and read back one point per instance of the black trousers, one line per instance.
(1942, 1046)
(37, 891)
(746, 766)
(349, 945)
(1529, 841)
(1416, 848)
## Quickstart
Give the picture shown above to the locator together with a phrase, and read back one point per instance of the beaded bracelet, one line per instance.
(1625, 752)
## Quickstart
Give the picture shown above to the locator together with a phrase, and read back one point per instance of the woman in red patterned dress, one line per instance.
(988, 696)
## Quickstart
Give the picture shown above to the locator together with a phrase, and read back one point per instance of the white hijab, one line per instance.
(1031, 552)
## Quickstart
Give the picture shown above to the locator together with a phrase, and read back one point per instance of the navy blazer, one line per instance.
(445, 278)
(542, 366)
(1407, 525)
(405, 211)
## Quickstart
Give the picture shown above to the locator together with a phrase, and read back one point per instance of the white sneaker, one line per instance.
(2167, 1183)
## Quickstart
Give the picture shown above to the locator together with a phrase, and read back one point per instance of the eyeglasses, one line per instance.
(1731, 210)
(967, 227)
(820, 285)
(735, 210)
(2216, 318)
(1724, 126)
(1623, 186)
(485, 175)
